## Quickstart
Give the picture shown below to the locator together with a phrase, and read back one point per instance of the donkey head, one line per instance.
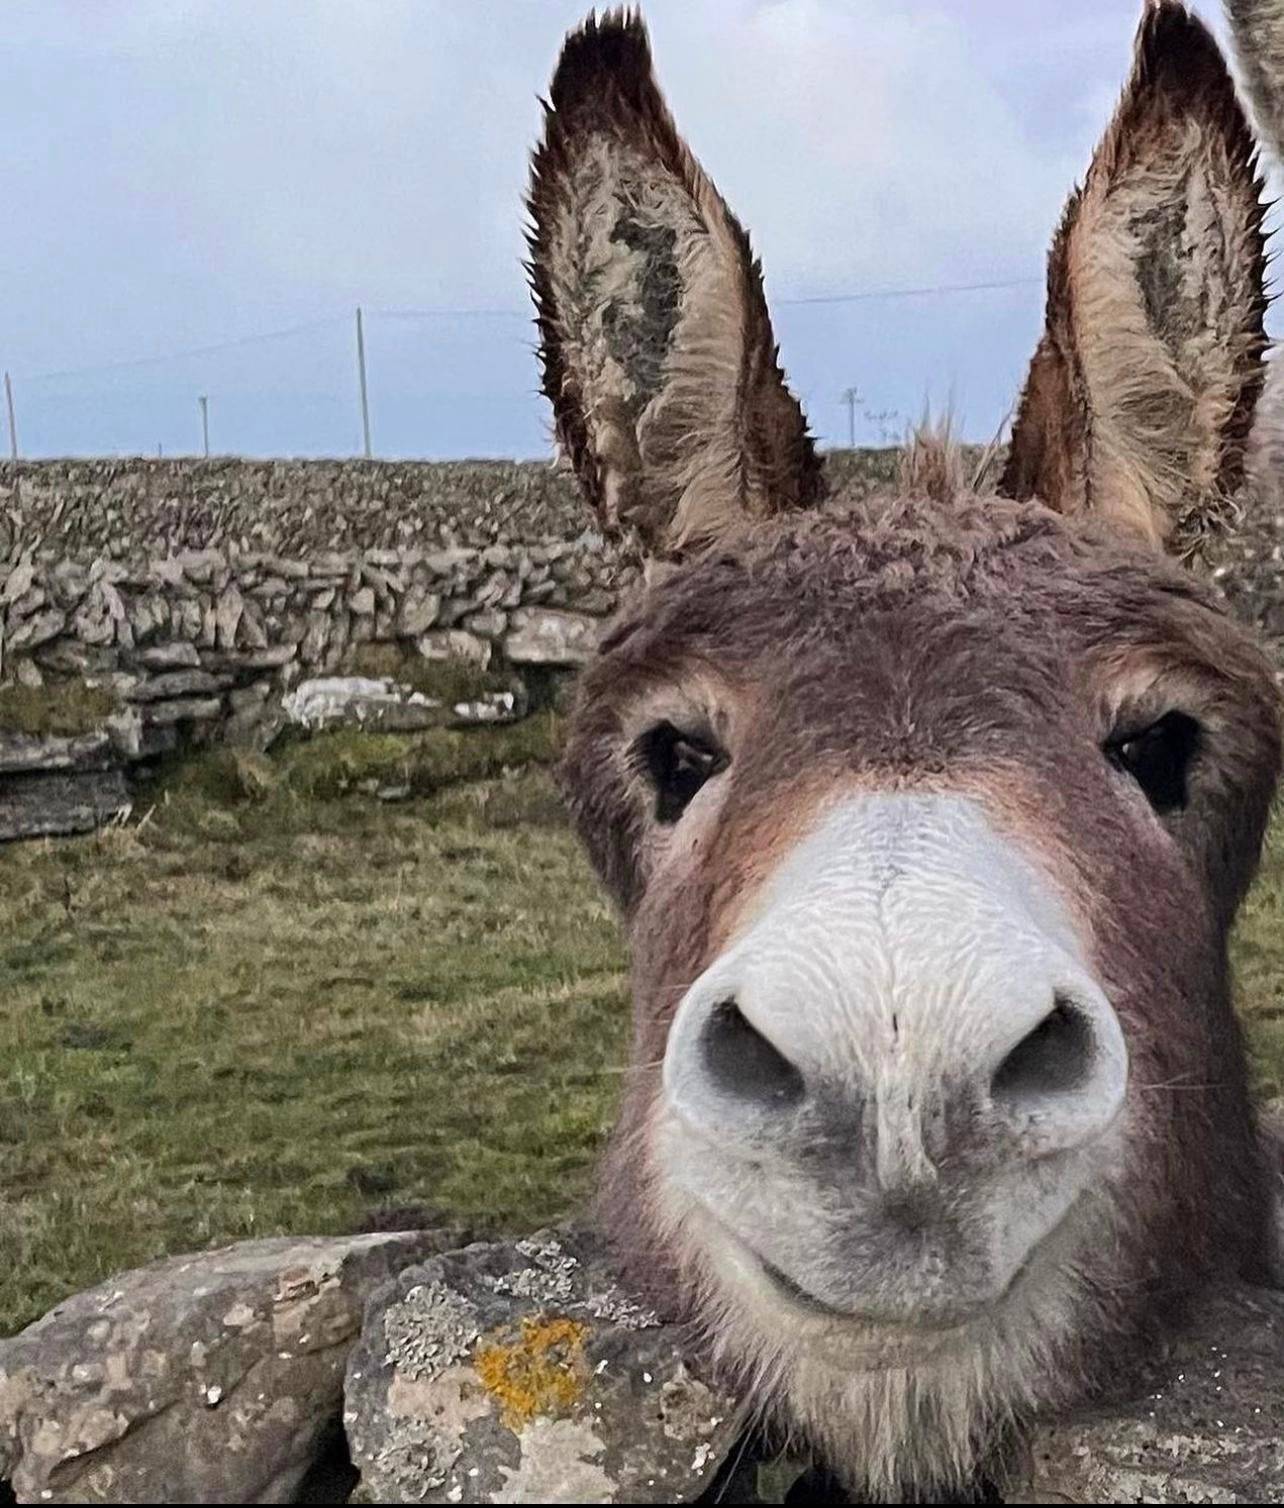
(927, 817)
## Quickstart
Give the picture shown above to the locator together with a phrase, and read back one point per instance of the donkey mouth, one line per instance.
(888, 1341)
(863, 1330)
(798, 1295)
(800, 1298)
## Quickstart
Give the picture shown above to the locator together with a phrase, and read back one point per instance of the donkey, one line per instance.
(927, 816)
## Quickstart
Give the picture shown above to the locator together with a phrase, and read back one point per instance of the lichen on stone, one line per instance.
(429, 1330)
(616, 1307)
(541, 1373)
(551, 1282)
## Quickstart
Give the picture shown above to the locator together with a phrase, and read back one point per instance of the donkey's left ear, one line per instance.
(657, 350)
(1142, 390)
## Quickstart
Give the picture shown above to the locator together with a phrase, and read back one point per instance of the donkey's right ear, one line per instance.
(657, 351)
(1142, 390)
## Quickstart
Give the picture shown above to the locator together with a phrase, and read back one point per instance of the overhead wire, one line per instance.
(215, 348)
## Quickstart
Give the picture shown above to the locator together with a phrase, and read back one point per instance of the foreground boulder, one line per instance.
(520, 1372)
(1203, 1424)
(203, 1378)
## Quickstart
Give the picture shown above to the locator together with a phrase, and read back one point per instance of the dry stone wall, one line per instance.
(202, 596)
(118, 508)
(201, 592)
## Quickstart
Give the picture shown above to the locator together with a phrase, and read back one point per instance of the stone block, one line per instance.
(522, 1372)
(208, 1378)
(547, 636)
(53, 803)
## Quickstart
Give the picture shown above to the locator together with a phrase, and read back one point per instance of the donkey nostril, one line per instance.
(740, 1061)
(1056, 1058)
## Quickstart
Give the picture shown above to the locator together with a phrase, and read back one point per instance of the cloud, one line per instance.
(379, 151)
(178, 171)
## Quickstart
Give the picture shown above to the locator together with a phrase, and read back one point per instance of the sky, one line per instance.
(198, 194)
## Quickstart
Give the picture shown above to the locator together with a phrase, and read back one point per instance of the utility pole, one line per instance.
(204, 402)
(851, 397)
(13, 426)
(361, 374)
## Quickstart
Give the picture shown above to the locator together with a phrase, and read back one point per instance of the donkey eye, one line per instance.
(677, 764)
(1159, 758)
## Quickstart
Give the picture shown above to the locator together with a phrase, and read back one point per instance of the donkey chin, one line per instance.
(891, 1118)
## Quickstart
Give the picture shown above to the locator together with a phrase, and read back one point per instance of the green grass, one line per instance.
(1258, 955)
(260, 1014)
(275, 1003)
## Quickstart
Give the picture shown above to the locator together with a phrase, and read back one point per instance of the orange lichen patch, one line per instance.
(542, 1372)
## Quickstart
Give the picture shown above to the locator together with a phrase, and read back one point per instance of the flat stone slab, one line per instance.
(361, 702)
(550, 636)
(388, 706)
(52, 785)
(207, 1378)
(23, 753)
(520, 1372)
(53, 803)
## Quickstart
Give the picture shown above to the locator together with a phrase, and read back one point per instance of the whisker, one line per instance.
(729, 1479)
(1175, 1084)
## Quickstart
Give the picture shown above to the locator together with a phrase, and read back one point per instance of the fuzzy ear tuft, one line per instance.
(657, 350)
(1141, 393)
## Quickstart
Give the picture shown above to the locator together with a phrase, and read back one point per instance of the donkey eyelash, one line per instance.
(676, 764)
(1158, 756)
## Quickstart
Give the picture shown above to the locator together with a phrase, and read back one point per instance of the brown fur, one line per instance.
(1142, 391)
(981, 649)
(942, 641)
(1258, 27)
(676, 330)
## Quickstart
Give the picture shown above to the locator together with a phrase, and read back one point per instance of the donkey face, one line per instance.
(928, 819)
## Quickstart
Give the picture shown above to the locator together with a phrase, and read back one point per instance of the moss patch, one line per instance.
(330, 764)
(61, 710)
(304, 768)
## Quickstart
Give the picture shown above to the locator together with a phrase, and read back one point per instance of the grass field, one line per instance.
(277, 1005)
(275, 1002)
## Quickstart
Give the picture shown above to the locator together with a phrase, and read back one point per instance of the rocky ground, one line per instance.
(520, 1371)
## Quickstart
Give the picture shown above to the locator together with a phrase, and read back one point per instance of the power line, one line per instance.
(861, 296)
(210, 350)
(216, 347)
(924, 291)
(452, 313)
